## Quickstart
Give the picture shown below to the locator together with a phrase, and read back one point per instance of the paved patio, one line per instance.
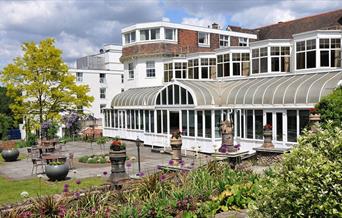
(149, 161)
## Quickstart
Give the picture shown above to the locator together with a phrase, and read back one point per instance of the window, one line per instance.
(249, 123)
(291, 125)
(191, 123)
(101, 107)
(259, 60)
(122, 78)
(174, 95)
(79, 77)
(130, 71)
(185, 123)
(180, 70)
(208, 68)
(102, 93)
(170, 34)
(242, 41)
(203, 39)
(280, 59)
(193, 69)
(207, 127)
(102, 78)
(306, 54)
(223, 65)
(168, 72)
(149, 34)
(330, 52)
(130, 37)
(122, 89)
(217, 123)
(258, 124)
(150, 69)
(303, 120)
(199, 123)
(240, 62)
(224, 41)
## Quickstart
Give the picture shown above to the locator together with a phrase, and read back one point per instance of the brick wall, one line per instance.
(187, 43)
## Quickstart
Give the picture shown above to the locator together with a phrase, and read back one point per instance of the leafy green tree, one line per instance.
(6, 123)
(5, 102)
(41, 86)
(308, 181)
(330, 107)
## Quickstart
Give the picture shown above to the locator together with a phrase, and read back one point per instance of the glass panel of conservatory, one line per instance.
(191, 123)
(165, 122)
(249, 123)
(207, 124)
(291, 125)
(147, 121)
(152, 121)
(184, 123)
(258, 124)
(199, 123)
(217, 123)
(303, 119)
(159, 120)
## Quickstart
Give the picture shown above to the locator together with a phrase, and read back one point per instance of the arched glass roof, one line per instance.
(286, 90)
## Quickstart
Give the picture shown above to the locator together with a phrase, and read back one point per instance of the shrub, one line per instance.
(330, 107)
(308, 181)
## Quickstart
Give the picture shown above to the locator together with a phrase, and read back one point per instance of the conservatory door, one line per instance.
(276, 119)
(174, 121)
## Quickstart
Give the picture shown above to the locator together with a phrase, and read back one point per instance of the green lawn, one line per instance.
(10, 189)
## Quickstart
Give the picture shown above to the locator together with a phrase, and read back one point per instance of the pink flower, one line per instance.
(105, 173)
(78, 181)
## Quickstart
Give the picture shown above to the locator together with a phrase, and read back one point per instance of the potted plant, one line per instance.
(314, 115)
(57, 170)
(267, 136)
(9, 151)
(117, 155)
(176, 146)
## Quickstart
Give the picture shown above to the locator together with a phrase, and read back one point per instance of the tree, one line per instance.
(330, 107)
(41, 86)
(5, 102)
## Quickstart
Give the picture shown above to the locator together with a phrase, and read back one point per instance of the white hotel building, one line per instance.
(191, 78)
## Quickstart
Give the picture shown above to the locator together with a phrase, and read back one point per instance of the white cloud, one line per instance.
(204, 21)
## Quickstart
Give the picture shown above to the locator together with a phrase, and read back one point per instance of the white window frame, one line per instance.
(149, 38)
(174, 33)
(319, 49)
(206, 42)
(279, 56)
(102, 79)
(102, 93)
(305, 51)
(150, 69)
(243, 41)
(79, 77)
(130, 71)
(224, 40)
(129, 37)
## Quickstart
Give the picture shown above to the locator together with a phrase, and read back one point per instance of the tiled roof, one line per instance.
(285, 30)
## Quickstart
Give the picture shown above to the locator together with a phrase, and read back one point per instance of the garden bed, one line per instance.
(95, 159)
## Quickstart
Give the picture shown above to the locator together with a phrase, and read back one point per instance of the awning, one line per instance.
(285, 90)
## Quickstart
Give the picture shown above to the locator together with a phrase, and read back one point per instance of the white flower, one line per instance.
(40, 176)
(24, 194)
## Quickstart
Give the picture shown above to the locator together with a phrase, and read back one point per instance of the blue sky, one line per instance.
(82, 27)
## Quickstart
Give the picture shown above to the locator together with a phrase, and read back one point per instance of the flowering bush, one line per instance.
(72, 123)
(117, 145)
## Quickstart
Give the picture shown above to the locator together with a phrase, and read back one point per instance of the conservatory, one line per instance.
(197, 107)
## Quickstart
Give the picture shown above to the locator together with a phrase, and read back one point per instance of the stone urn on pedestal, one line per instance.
(117, 156)
(227, 137)
(176, 146)
(267, 137)
(314, 119)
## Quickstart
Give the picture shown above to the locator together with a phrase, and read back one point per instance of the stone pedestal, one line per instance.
(118, 170)
(227, 137)
(314, 122)
(176, 146)
(267, 139)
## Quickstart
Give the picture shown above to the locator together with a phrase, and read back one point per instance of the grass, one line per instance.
(10, 189)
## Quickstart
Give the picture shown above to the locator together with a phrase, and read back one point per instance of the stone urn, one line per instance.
(57, 172)
(314, 119)
(11, 154)
(118, 159)
(176, 146)
(267, 138)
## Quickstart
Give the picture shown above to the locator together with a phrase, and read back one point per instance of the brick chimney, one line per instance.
(214, 26)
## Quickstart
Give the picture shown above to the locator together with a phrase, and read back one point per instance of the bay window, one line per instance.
(129, 37)
(259, 60)
(306, 54)
(280, 59)
(180, 70)
(330, 52)
(149, 34)
(170, 34)
(223, 65)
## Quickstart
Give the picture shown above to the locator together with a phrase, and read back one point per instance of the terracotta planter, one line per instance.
(57, 172)
(7, 145)
(118, 159)
(10, 154)
(267, 139)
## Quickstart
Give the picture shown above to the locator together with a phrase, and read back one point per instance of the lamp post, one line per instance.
(138, 142)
